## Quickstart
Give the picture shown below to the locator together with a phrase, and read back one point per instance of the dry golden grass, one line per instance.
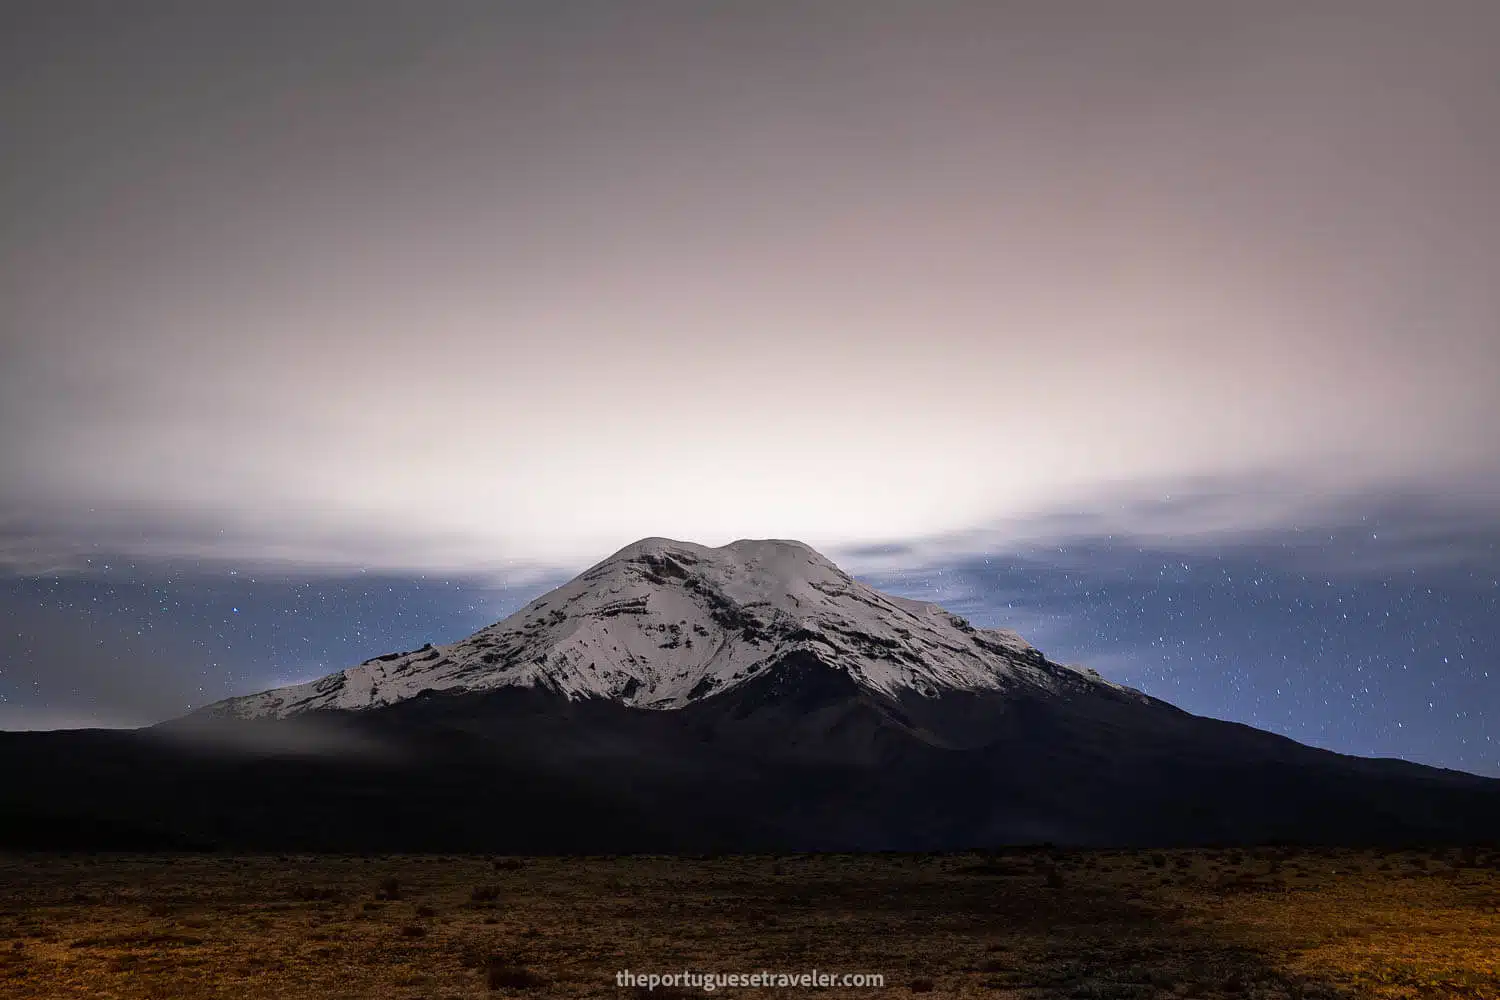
(1199, 924)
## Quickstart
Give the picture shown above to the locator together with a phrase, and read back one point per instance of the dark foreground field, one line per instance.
(1250, 924)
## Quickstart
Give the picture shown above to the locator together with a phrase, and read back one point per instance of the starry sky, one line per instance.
(1163, 332)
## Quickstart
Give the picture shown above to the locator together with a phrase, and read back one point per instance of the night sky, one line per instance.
(1165, 333)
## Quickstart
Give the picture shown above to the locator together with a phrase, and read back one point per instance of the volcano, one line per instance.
(663, 624)
(751, 697)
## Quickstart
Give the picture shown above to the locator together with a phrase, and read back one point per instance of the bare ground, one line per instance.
(1269, 923)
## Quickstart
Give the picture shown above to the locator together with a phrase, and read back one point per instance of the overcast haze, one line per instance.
(524, 281)
(486, 291)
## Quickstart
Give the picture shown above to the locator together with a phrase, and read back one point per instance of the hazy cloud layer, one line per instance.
(1365, 533)
(479, 283)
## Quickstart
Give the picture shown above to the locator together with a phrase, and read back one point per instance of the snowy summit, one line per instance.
(662, 623)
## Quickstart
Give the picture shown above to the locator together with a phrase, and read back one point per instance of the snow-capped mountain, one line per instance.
(661, 624)
(681, 698)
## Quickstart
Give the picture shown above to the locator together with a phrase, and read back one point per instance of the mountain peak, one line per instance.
(765, 552)
(663, 623)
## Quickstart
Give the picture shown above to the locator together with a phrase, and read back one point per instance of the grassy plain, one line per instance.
(1265, 923)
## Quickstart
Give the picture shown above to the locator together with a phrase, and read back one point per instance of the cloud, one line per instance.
(1298, 520)
(308, 736)
(188, 543)
(561, 282)
(1302, 519)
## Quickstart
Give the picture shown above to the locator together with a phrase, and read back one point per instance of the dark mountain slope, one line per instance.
(799, 758)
